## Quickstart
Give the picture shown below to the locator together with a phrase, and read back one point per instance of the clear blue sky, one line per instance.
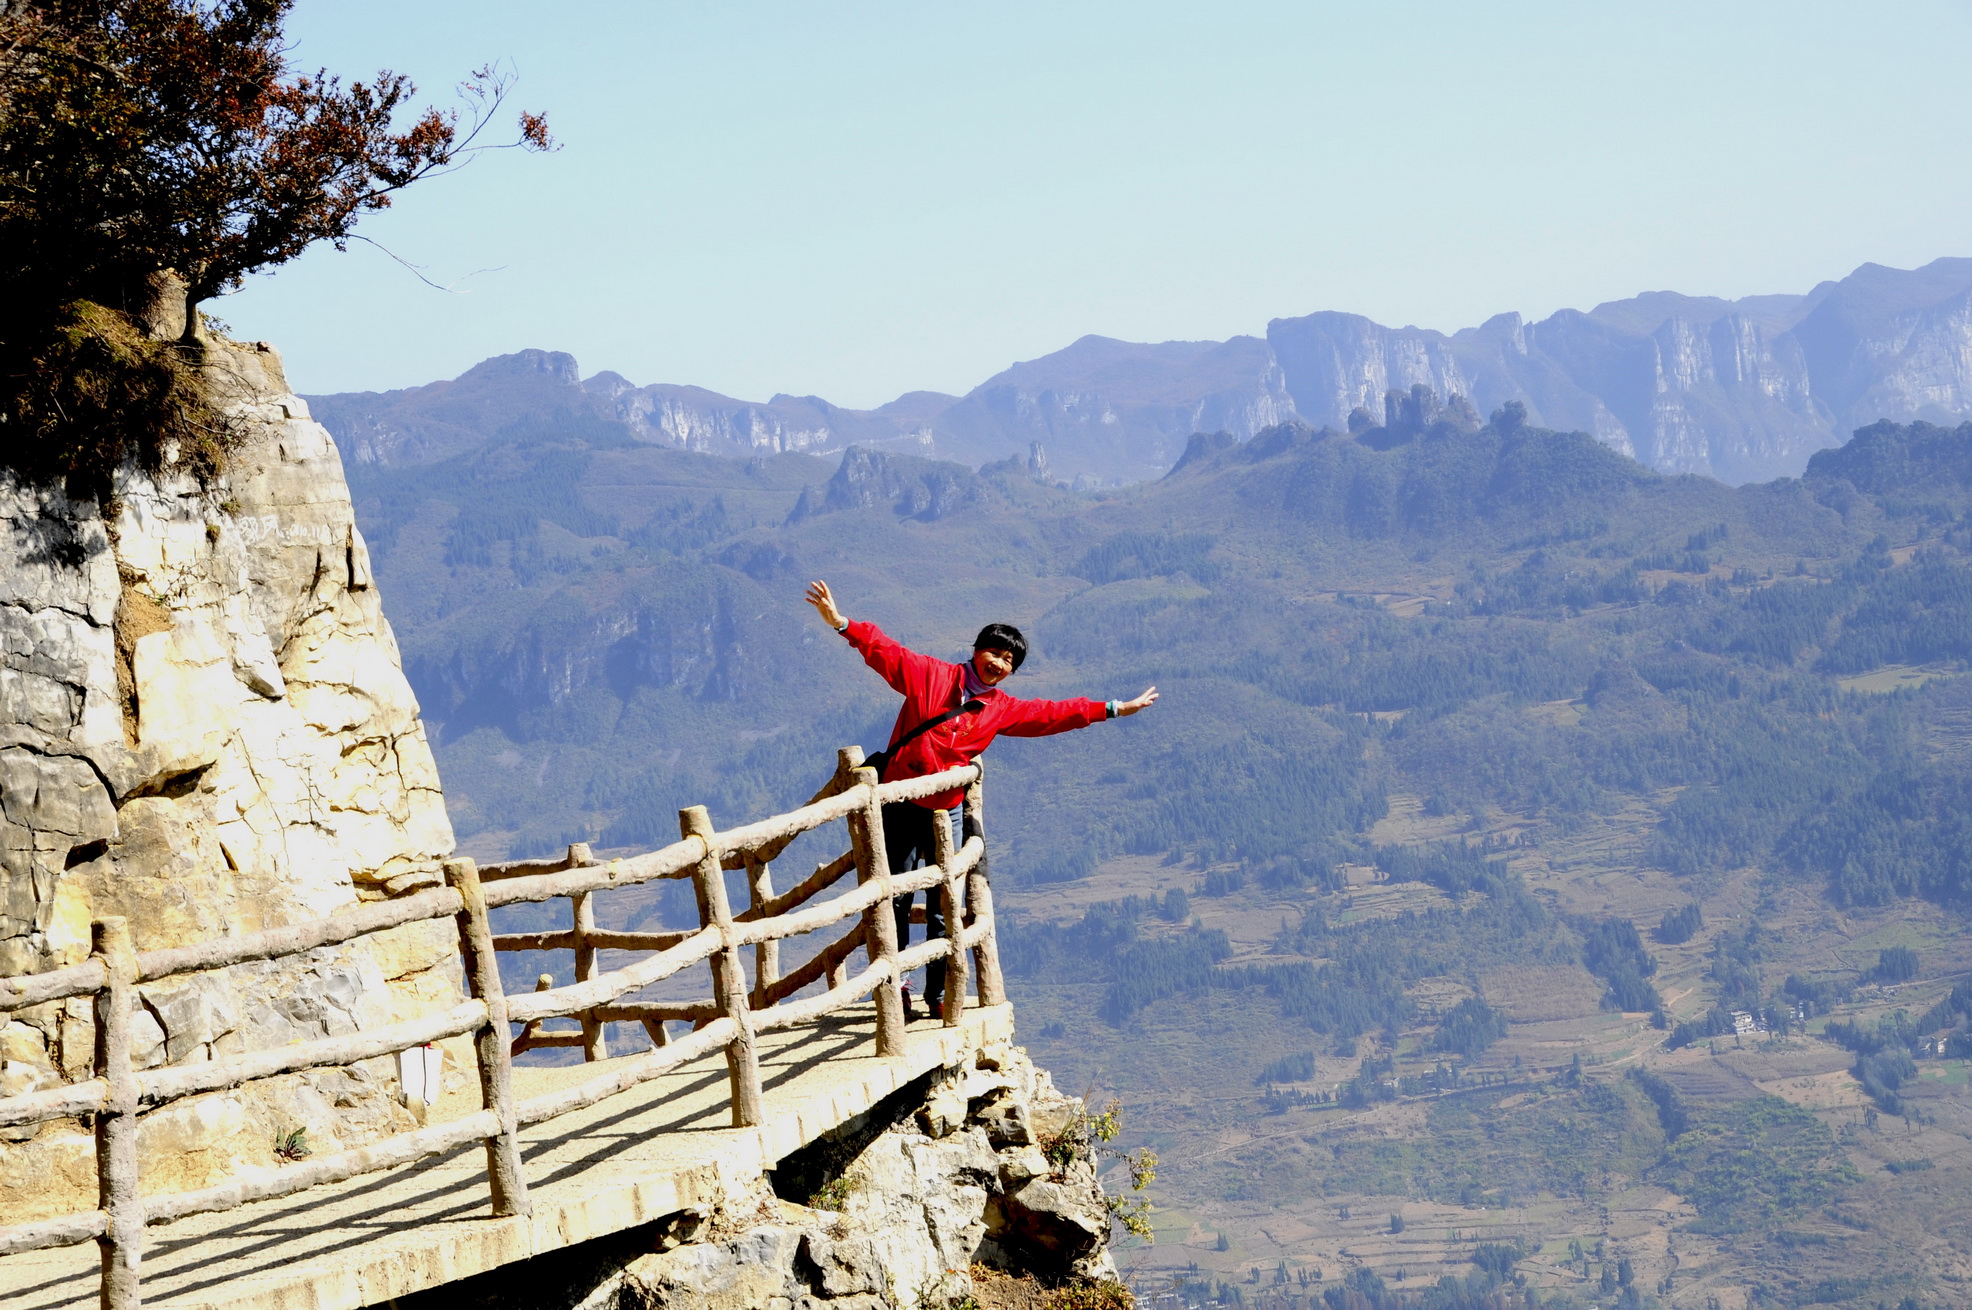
(859, 199)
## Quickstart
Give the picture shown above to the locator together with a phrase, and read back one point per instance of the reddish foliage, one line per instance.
(139, 135)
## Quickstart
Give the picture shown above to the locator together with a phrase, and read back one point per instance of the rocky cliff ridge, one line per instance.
(1741, 390)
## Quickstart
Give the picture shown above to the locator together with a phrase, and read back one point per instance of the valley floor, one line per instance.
(1249, 1187)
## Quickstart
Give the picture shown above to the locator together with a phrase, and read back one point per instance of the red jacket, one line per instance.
(930, 687)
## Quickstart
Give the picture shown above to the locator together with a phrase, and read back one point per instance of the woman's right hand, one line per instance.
(824, 603)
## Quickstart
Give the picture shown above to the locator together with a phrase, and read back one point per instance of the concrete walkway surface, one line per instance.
(631, 1159)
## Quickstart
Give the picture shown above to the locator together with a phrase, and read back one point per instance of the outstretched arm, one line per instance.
(897, 665)
(1044, 718)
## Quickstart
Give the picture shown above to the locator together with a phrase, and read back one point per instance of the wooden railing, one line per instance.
(732, 1018)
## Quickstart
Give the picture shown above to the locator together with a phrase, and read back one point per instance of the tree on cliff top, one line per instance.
(142, 135)
(139, 137)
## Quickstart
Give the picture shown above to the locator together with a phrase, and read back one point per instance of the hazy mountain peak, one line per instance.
(918, 406)
(608, 381)
(1645, 313)
(552, 365)
(1510, 321)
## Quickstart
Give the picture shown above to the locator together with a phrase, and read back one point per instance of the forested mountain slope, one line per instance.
(1529, 845)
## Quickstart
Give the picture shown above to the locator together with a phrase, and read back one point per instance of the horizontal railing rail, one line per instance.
(731, 1018)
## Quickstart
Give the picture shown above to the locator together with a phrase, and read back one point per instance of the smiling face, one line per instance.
(992, 665)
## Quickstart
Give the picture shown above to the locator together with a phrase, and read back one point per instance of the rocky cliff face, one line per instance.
(911, 488)
(973, 1183)
(1740, 390)
(959, 1179)
(1725, 396)
(204, 728)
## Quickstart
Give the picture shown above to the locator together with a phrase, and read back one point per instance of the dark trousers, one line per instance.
(907, 838)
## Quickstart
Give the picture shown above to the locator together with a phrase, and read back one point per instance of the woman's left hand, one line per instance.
(1126, 708)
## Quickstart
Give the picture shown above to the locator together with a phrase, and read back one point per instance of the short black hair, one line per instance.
(1002, 636)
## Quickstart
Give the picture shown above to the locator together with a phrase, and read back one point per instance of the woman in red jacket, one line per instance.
(966, 697)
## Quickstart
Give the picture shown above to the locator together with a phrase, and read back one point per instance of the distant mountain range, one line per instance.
(1741, 390)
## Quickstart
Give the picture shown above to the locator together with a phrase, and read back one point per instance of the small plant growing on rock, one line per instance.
(1087, 1136)
(1083, 1136)
(833, 1194)
(293, 1146)
(1133, 1212)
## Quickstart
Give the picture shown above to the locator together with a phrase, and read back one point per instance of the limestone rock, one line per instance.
(841, 1267)
(24, 1067)
(180, 675)
(919, 1209)
(193, 1012)
(1017, 1166)
(1006, 1120)
(943, 1113)
(926, 1197)
(1046, 1216)
(204, 728)
(748, 1271)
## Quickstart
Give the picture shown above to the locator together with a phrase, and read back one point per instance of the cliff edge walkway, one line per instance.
(525, 1161)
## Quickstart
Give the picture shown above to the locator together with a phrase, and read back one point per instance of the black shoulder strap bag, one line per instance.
(881, 760)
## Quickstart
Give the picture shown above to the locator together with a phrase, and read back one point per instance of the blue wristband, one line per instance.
(1109, 710)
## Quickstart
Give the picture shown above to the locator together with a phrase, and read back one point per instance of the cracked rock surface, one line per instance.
(920, 1201)
(205, 728)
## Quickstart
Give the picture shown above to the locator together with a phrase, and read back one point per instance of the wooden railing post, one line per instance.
(122, 1241)
(491, 1043)
(979, 899)
(767, 954)
(728, 976)
(532, 1028)
(954, 906)
(879, 921)
(595, 1045)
